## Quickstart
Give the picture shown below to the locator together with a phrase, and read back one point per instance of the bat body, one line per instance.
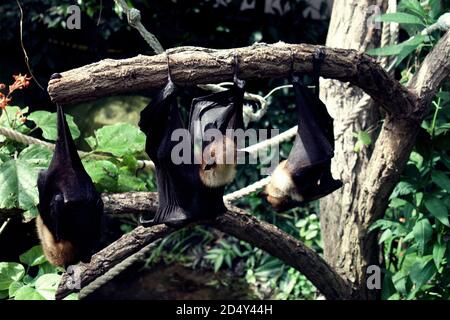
(188, 191)
(212, 122)
(306, 174)
(70, 209)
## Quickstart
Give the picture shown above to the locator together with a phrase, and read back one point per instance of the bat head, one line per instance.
(281, 192)
(218, 165)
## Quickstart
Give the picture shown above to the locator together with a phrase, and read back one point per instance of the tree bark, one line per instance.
(340, 224)
(191, 66)
(235, 222)
(370, 176)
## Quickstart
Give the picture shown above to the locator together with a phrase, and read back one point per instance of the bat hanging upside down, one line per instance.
(306, 174)
(192, 191)
(70, 209)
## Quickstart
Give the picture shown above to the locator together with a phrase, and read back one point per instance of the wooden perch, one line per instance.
(192, 65)
(235, 222)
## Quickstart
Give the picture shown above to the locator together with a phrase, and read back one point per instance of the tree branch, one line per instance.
(433, 71)
(193, 65)
(398, 135)
(234, 222)
(394, 145)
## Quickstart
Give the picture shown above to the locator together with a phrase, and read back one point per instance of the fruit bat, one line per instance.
(222, 114)
(70, 209)
(186, 192)
(306, 174)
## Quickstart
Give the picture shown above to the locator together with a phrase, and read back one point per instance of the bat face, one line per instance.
(190, 191)
(70, 209)
(306, 174)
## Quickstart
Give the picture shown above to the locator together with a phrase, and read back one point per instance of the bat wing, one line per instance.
(158, 121)
(65, 201)
(320, 112)
(160, 115)
(310, 157)
(311, 146)
(221, 110)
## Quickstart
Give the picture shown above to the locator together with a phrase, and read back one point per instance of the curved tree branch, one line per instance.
(193, 65)
(393, 147)
(235, 222)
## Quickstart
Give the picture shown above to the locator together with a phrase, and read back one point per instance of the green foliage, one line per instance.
(38, 281)
(363, 139)
(112, 163)
(413, 18)
(46, 121)
(415, 231)
(269, 277)
(119, 139)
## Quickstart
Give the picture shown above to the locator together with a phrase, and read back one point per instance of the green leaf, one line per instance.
(397, 203)
(441, 179)
(47, 284)
(128, 182)
(422, 233)
(402, 188)
(33, 257)
(363, 140)
(422, 271)
(407, 46)
(218, 263)
(18, 184)
(400, 280)
(46, 267)
(119, 139)
(311, 234)
(103, 173)
(13, 287)
(10, 272)
(18, 178)
(438, 253)
(47, 122)
(400, 17)
(37, 155)
(435, 8)
(12, 112)
(438, 209)
(413, 6)
(387, 234)
(28, 293)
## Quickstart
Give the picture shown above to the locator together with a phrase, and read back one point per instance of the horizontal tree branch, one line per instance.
(235, 222)
(193, 65)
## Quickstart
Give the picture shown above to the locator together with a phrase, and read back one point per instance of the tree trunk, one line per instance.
(340, 223)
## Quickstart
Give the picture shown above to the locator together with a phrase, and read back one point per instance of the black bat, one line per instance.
(306, 174)
(183, 194)
(70, 209)
(222, 114)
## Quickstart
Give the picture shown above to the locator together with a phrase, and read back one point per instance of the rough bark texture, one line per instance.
(235, 222)
(369, 176)
(190, 66)
(339, 212)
